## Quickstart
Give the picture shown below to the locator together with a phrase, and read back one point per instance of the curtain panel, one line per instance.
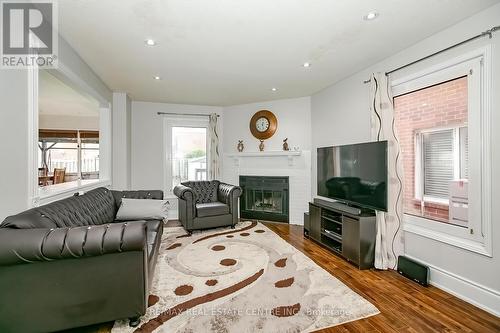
(214, 156)
(389, 242)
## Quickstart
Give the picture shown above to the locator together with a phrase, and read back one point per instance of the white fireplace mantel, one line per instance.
(257, 154)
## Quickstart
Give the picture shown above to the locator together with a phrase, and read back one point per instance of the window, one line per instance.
(442, 117)
(69, 128)
(443, 159)
(189, 154)
(75, 152)
(186, 150)
(429, 122)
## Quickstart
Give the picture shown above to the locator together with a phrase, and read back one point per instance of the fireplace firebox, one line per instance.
(264, 198)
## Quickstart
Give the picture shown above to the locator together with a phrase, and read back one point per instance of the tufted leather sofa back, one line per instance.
(204, 191)
(95, 207)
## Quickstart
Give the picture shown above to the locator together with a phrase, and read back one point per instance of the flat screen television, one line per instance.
(354, 174)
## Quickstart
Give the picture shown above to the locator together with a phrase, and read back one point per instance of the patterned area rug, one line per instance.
(246, 279)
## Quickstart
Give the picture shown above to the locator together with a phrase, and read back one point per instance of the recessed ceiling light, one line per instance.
(157, 78)
(274, 89)
(306, 64)
(150, 42)
(370, 16)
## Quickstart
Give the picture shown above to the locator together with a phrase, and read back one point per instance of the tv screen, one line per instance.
(354, 174)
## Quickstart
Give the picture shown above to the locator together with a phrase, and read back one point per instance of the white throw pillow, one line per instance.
(142, 209)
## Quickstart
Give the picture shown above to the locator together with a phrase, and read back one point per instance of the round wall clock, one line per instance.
(263, 124)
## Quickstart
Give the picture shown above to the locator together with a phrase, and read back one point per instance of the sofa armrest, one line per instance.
(229, 195)
(32, 245)
(187, 207)
(185, 193)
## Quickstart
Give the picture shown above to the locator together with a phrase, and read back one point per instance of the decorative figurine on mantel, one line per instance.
(240, 146)
(261, 146)
(285, 145)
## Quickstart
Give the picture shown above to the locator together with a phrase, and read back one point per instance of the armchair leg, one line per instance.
(134, 321)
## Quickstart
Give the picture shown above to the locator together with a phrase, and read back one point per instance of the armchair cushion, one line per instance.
(211, 209)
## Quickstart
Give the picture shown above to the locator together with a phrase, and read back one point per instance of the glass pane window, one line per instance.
(432, 129)
(79, 161)
(437, 163)
(90, 160)
(189, 154)
(62, 155)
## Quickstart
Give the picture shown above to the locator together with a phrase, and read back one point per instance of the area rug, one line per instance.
(246, 279)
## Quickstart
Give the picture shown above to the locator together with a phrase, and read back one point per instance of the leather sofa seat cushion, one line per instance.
(211, 209)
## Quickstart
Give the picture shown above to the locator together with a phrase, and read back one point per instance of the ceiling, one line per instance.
(56, 98)
(225, 52)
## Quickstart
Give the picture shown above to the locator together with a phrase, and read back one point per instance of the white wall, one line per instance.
(13, 142)
(340, 114)
(122, 141)
(68, 122)
(294, 123)
(148, 154)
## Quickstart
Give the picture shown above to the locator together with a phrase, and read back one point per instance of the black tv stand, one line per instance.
(349, 232)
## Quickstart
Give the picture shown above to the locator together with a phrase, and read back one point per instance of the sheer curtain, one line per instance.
(389, 242)
(214, 157)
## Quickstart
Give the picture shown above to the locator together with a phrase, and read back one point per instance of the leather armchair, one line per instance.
(207, 204)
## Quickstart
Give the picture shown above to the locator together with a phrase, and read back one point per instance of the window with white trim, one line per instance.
(442, 118)
(186, 150)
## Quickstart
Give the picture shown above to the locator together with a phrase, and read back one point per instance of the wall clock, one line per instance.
(263, 124)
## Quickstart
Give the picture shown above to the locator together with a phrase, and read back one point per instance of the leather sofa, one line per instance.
(207, 204)
(69, 263)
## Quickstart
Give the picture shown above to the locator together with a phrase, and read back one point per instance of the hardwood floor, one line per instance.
(405, 306)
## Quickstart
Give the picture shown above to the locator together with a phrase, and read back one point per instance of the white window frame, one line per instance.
(179, 121)
(419, 161)
(476, 65)
(43, 195)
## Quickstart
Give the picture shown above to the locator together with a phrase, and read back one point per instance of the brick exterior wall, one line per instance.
(437, 106)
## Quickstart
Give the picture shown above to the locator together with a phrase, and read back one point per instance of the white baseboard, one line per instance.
(481, 296)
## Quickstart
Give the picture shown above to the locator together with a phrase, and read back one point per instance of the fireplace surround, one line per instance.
(265, 198)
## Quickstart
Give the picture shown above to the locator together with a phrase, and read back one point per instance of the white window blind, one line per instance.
(438, 163)
(464, 153)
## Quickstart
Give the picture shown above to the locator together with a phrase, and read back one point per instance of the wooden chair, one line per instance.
(43, 176)
(59, 175)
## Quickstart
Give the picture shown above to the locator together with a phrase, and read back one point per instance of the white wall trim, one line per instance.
(32, 169)
(430, 229)
(72, 187)
(472, 292)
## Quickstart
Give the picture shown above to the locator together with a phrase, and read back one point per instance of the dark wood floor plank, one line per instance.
(404, 305)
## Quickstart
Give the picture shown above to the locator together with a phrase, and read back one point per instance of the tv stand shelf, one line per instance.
(352, 236)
